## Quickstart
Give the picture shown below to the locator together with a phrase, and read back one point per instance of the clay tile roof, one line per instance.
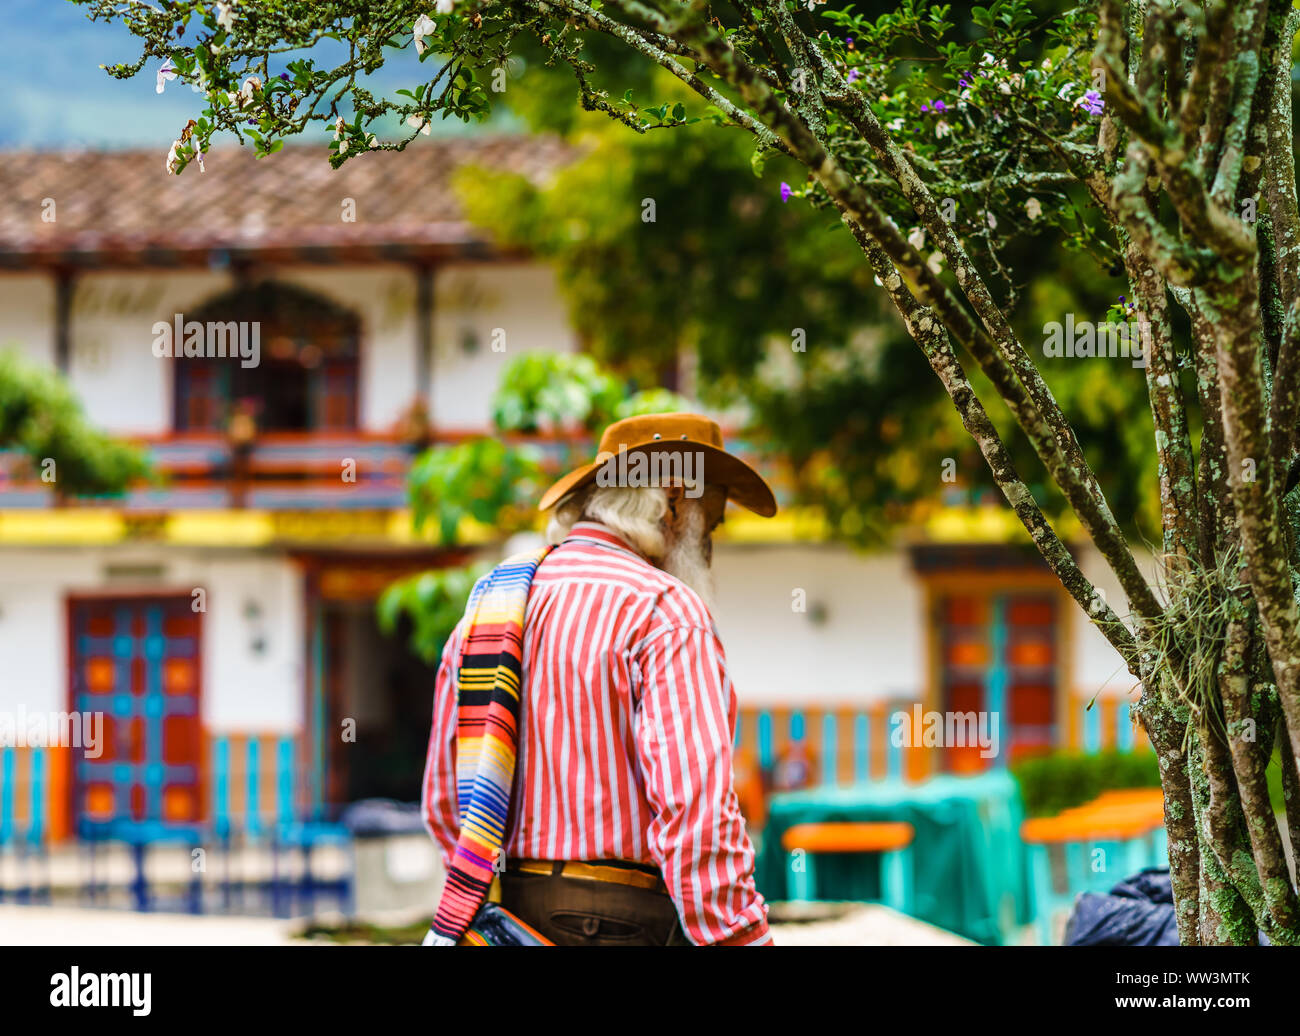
(116, 206)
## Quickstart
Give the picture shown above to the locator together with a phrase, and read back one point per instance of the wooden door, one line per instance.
(137, 661)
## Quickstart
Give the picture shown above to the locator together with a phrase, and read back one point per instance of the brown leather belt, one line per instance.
(624, 873)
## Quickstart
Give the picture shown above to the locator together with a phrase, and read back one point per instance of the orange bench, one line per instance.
(847, 837)
(893, 840)
(1126, 827)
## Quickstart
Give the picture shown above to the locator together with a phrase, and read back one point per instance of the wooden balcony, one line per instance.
(274, 472)
(280, 471)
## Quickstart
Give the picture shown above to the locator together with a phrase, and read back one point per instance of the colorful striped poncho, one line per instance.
(489, 677)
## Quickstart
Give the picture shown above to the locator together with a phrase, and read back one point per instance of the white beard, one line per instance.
(689, 551)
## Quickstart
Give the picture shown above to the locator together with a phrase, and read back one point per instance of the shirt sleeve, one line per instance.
(438, 797)
(686, 714)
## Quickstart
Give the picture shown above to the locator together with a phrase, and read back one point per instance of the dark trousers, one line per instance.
(581, 912)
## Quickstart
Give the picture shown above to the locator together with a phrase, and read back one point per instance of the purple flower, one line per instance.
(925, 107)
(284, 76)
(963, 82)
(853, 74)
(1091, 102)
(785, 191)
(939, 106)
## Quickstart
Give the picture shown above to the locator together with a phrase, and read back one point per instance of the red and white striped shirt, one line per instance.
(627, 727)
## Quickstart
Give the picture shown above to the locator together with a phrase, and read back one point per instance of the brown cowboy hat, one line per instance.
(671, 433)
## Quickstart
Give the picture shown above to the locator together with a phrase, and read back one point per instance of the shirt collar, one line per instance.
(596, 532)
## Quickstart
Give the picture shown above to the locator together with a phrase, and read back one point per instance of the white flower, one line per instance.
(372, 141)
(1033, 208)
(894, 125)
(1004, 87)
(988, 59)
(423, 27)
(444, 6)
(338, 127)
(935, 263)
(168, 71)
(1047, 64)
(419, 122)
(942, 129)
(343, 146)
(916, 238)
(198, 156)
(251, 85)
(989, 218)
(173, 159)
(1064, 92)
(226, 17)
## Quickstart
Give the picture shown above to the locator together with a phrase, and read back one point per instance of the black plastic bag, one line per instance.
(1139, 911)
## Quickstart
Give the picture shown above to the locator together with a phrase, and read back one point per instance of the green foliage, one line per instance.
(572, 393)
(554, 391)
(483, 479)
(1063, 780)
(650, 401)
(40, 416)
(497, 483)
(720, 266)
(433, 602)
(981, 105)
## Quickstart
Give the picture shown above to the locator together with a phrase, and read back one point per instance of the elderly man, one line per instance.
(619, 824)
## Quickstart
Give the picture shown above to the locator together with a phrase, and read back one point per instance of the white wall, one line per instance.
(521, 301)
(27, 315)
(123, 386)
(242, 691)
(870, 646)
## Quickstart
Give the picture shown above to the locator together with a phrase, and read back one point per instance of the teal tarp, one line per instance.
(971, 871)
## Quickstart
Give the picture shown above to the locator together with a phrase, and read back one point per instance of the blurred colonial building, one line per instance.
(223, 619)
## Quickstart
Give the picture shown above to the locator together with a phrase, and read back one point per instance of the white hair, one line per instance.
(689, 555)
(634, 513)
(640, 516)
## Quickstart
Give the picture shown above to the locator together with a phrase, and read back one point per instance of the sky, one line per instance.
(56, 94)
(57, 97)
